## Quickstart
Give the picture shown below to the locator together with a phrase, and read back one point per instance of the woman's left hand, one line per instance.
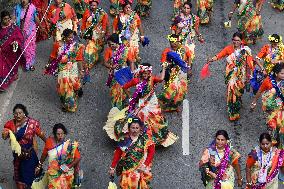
(142, 38)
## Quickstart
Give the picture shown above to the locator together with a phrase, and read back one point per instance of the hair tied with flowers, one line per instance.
(130, 120)
(271, 38)
(172, 39)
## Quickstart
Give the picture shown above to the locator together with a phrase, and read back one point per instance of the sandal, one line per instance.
(32, 68)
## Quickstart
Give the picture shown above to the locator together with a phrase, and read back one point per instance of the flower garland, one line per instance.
(139, 90)
(222, 168)
(125, 30)
(274, 172)
(51, 68)
(278, 91)
(115, 60)
(95, 17)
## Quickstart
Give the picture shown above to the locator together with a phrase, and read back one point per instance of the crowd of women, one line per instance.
(136, 120)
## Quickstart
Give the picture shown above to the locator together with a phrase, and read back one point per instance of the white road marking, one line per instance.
(185, 127)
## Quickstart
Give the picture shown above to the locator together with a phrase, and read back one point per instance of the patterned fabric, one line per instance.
(115, 7)
(238, 70)
(211, 159)
(24, 167)
(143, 7)
(96, 23)
(177, 6)
(41, 6)
(249, 23)
(256, 158)
(128, 27)
(278, 4)
(61, 18)
(204, 9)
(56, 178)
(119, 97)
(148, 111)
(68, 81)
(80, 7)
(7, 56)
(29, 30)
(267, 53)
(238, 67)
(175, 87)
(133, 157)
(274, 107)
(185, 27)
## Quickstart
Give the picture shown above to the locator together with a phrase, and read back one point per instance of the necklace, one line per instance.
(264, 164)
(59, 156)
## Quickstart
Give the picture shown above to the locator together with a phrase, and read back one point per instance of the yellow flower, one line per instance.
(130, 120)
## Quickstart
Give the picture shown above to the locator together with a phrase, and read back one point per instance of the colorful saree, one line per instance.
(68, 80)
(204, 10)
(28, 31)
(264, 174)
(115, 7)
(8, 57)
(119, 97)
(80, 6)
(25, 164)
(130, 156)
(177, 7)
(185, 27)
(212, 159)
(128, 27)
(58, 155)
(273, 105)
(61, 18)
(238, 70)
(176, 83)
(278, 4)
(249, 23)
(149, 111)
(267, 53)
(41, 6)
(94, 28)
(143, 7)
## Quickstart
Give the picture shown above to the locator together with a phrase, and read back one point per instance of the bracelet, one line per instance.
(111, 168)
(254, 104)
(40, 163)
(231, 12)
(38, 167)
(249, 183)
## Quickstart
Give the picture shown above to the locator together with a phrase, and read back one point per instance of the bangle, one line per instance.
(231, 12)
(254, 104)
(40, 163)
(112, 168)
(249, 183)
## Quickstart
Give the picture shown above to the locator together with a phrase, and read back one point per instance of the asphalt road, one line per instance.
(207, 105)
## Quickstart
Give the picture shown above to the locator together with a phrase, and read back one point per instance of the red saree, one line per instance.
(7, 56)
(41, 6)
